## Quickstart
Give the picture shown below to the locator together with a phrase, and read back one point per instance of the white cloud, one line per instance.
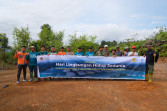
(108, 32)
(107, 19)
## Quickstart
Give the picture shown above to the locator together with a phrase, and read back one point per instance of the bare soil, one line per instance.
(85, 95)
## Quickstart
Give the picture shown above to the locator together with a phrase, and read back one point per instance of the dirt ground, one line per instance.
(85, 95)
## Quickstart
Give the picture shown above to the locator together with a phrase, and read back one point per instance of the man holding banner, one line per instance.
(133, 53)
(69, 51)
(150, 56)
(90, 53)
(79, 53)
(100, 52)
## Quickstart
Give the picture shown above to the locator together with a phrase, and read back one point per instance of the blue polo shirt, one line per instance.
(79, 53)
(42, 53)
(89, 54)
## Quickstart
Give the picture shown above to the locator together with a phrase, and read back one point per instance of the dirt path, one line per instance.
(85, 95)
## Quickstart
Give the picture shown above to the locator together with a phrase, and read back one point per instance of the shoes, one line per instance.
(39, 79)
(35, 80)
(24, 80)
(30, 79)
(50, 78)
(18, 81)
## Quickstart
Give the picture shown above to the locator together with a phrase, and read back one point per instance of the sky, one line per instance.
(107, 19)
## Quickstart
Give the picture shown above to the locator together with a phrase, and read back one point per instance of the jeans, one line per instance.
(33, 68)
(20, 67)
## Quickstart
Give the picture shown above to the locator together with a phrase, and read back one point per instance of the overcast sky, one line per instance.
(108, 19)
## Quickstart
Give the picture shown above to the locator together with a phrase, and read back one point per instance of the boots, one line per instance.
(150, 78)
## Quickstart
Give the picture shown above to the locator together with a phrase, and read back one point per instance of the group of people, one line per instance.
(29, 59)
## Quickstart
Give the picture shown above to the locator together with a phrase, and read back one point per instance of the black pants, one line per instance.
(20, 67)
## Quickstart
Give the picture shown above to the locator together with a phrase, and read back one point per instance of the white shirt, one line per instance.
(135, 54)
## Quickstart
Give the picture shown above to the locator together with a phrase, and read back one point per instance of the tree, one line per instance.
(83, 41)
(4, 45)
(3, 40)
(21, 37)
(37, 44)
(109, 43)
(49, 38)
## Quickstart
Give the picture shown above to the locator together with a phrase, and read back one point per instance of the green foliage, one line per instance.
(21, 37)
(37, 44)
(113, 43)
(3, 40)
(83, 41)
(49, 38)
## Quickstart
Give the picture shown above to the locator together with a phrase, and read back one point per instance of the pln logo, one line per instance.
(137, 60)
(41, 58)
(134, 60)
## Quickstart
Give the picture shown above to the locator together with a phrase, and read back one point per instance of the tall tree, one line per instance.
(49, 38)
(21, 37)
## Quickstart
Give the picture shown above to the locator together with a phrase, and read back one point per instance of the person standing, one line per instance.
(113, 53)
(133, 53)
(118, 52)
(52, 52)
(32, 57)
(100, 52)
(22, 63)
(90, 52)
(69, 52)
(150, 56)
(62, 51)
(106, 51)
(79, 53)
(126, 51)
(42, 52)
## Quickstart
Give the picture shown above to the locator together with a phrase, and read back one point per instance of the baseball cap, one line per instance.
(100, 47)
(126, 47)
(133, 47)
(90, 47)
(32, 47)
(105, 45)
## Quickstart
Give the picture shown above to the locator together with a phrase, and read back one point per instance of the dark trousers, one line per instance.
(33, 69)
(20, 67)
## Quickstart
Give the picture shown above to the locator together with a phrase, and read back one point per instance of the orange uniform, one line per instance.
(21, 58)
(61, 53)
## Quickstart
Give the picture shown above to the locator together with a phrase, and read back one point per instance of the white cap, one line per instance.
(32, 47)
(105, 45)
(126, 47)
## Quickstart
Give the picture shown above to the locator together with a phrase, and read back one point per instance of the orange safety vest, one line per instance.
(21, 58)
